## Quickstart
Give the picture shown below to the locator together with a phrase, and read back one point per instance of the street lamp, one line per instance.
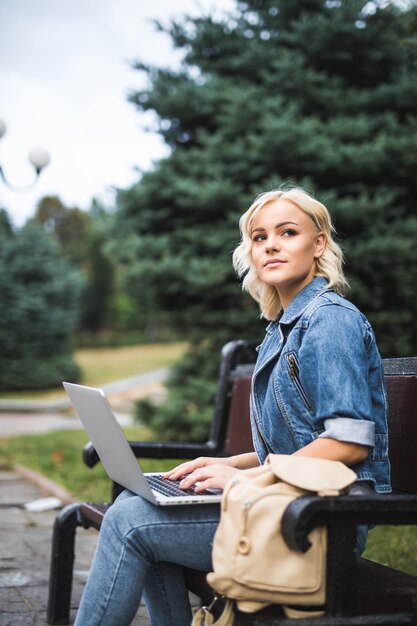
(38, 157)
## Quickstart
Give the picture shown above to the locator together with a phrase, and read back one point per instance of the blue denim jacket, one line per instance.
(319, 374)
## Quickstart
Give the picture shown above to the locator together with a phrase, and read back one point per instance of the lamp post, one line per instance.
(38, 157)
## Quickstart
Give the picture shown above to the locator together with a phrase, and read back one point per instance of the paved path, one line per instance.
(12, 424)
(25, 546)
(141, 381)
(21, 417)
(25, 537)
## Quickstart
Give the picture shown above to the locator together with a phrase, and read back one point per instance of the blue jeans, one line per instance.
(140, 551)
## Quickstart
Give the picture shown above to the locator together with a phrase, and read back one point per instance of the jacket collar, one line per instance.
(301, 301)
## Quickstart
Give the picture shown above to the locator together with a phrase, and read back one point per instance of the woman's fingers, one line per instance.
(175, 471)
(208, 476)
(206, 471)
(186, 468)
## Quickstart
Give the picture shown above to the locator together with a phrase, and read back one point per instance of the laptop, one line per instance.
(117, 457)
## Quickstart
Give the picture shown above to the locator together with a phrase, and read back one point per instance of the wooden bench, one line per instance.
(357, 593)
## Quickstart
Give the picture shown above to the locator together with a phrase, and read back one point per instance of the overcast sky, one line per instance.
(64, 76)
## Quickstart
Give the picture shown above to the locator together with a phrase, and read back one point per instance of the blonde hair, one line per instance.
(328, 265)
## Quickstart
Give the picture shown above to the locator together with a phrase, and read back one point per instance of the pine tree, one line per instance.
(321, 93)
(6, 229)
(39, 312)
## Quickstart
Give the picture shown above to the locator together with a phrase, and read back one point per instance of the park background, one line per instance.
(318, 93)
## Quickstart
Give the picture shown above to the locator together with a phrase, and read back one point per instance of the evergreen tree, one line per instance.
(322, 93)
(6, 229)
(70, 226)
(81, 237)
(39, 312)
(98, 291)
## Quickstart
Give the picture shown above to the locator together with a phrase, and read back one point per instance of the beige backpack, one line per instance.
(252, 563)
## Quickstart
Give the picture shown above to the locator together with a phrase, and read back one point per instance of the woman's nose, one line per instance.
(271, 245)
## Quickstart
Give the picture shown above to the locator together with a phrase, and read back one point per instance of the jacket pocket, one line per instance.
(295, 376)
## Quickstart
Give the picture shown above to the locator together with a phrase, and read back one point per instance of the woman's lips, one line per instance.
(274, 262)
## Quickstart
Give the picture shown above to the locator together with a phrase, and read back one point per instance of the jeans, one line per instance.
(140, 551)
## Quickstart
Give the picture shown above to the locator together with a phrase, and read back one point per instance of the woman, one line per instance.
(318, 390)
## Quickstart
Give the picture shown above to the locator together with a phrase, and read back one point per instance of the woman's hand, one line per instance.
(204, 473)
(212, 476)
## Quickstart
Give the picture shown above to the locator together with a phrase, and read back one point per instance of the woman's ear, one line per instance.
(321, 241)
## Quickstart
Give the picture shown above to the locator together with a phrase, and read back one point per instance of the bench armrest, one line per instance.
(308, 512)
(158, 450)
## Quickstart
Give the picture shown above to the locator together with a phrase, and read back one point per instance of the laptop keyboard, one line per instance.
(168, 487)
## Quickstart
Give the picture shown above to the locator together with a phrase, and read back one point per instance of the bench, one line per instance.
(357, 593)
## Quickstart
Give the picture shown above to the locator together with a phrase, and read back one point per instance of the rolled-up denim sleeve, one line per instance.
(350, 430)
(334, 368)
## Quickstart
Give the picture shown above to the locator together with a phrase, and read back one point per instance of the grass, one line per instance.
(103, 365)
(394, 546)
(57, 455)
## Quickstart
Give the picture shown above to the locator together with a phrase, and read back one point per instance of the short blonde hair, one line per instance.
(329, 265)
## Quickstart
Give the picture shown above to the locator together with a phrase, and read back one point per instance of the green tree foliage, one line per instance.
(191, 386)
(6, 229)
(39, 312)
(322, 93)
(82, 237)
(70, 226)
(99, 273)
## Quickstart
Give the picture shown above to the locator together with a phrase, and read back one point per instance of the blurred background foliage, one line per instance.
(39, 299)
(320, 93)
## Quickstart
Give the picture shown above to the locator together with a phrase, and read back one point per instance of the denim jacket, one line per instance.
(319, 374)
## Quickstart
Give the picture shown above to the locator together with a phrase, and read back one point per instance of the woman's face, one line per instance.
(285, 247)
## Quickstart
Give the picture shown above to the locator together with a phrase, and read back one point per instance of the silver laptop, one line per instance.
(117, 457)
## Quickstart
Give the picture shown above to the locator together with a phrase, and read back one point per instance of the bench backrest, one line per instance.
(230, 428)
(239, 435)
(401, 383)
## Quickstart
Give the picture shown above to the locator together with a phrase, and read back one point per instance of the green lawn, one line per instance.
(394, 546)
(103, 365)
(57, 455)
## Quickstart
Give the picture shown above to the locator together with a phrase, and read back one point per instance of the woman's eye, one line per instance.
(259, 238)
(289, 232)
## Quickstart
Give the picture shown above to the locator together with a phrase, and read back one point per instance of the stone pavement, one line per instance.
(25, 546)
(25, 537)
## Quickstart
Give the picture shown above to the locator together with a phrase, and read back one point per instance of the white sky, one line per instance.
(64, 77)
